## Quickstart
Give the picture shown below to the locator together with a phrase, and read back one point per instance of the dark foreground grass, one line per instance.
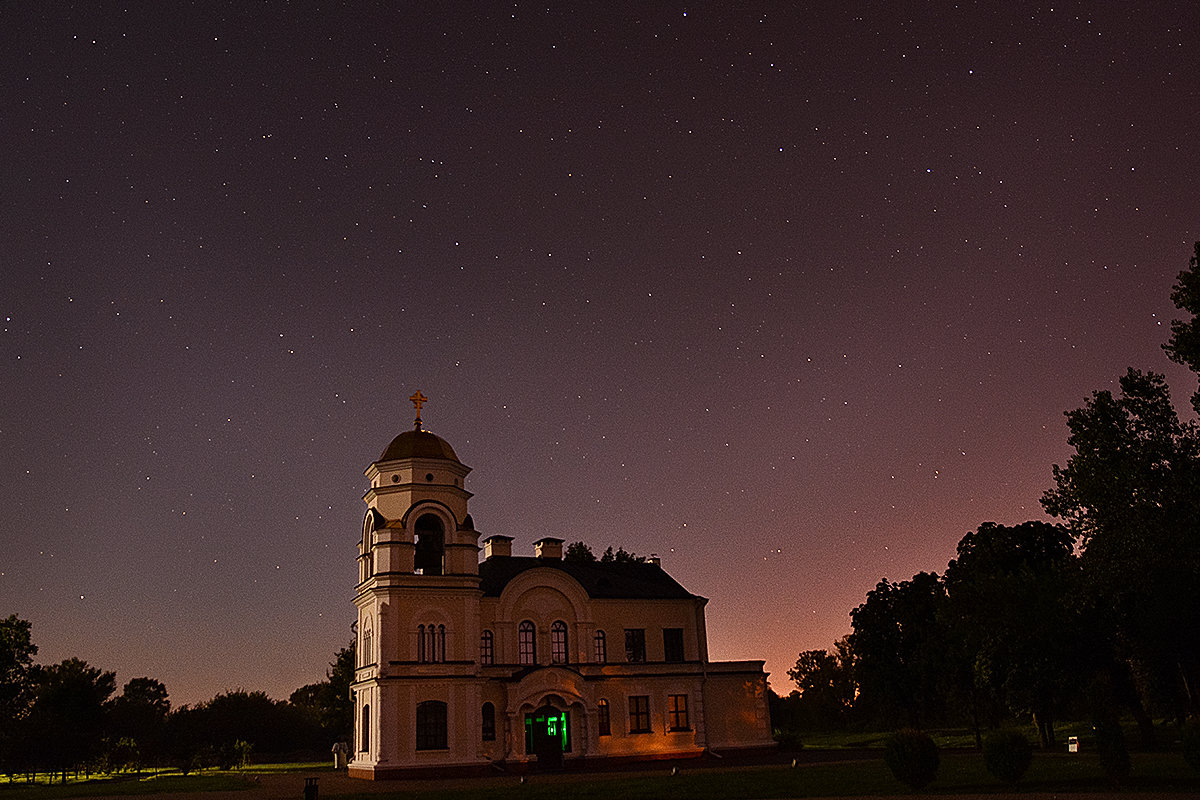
(107, 787)
(960, 773)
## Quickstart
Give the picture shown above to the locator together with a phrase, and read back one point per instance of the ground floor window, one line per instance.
(677, 712)
(603, 723)
(547, 726)
(639, 714)
(431, 725)
(364, 739)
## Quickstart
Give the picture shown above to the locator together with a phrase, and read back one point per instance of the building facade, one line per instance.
(464, 663)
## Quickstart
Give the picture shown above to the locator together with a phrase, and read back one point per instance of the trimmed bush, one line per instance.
(1007, 755)
(1190, 736)
(912, 757)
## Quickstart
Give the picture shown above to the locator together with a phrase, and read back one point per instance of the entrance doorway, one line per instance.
(548, 736)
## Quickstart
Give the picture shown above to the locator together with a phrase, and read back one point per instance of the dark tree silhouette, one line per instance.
(16, 690)
(66, 723)
(1131, 496)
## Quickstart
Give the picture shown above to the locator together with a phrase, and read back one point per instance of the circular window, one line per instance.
(429, 477)
(395, 479)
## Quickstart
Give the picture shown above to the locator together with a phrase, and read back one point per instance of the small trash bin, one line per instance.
(310, 789)
(1073, 744)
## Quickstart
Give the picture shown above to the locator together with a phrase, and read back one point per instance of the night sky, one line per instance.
(793, 296)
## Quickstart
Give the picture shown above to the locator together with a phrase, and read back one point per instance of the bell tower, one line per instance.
(418, 585)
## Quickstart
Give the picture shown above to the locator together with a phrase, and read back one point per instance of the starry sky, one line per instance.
(793, 295)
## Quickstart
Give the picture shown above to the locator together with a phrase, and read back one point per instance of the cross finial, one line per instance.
(418, 400)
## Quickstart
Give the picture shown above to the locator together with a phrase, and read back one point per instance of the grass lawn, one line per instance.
(960, 773)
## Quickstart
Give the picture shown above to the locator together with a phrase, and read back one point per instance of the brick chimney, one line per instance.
(497, 546)
(549, 548)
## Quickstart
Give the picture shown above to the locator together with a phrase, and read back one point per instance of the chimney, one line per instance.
(654, 559)
(497, 546)
(549, 548)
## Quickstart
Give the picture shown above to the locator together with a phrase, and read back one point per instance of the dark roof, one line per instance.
(418, 444)
(618, 580)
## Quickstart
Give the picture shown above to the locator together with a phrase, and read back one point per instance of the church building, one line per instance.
(463, 662)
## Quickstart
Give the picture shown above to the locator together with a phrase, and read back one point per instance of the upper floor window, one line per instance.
(600, 648)
(673, 644)
(635, 644)
(487, 652)
(526, 645)
(558, 643)
(431, 725)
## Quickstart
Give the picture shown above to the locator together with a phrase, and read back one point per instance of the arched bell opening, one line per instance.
(430, 537)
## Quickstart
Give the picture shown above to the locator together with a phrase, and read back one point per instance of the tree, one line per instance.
(900, 646)
(1184, 345)
(579, 553)
(16, 688)
(140, 714)
(825, 684)
(68, 716)
(622, 556)
(328, 702)
(1131, 496)
(1010, 594)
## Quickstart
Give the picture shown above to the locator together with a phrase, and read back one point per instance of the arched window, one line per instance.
(431, 643)
(431, 725)
(364, 739)
(601, 648)
(368, 654)
(487, 651)
(558, 643)
(488, 716)
(420, 643)
(526, 646)
(431, 545)
(441, 644)
(603, 723)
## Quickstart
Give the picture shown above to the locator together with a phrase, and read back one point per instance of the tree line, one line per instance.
(1090, 617)
(68, 717)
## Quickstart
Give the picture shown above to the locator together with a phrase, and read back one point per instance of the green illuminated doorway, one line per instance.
(548, 736)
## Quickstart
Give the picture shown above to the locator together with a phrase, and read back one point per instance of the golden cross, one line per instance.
(418, 400)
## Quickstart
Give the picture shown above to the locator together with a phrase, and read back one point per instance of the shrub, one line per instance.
(1191, 744)
(1110, 746)
(912, 757)
(1007, 755)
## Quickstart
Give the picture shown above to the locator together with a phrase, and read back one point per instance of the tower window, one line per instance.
(364, 738)
(559, 654)
(431, 725)
(526, 646)
(486, 648)
(487, 715)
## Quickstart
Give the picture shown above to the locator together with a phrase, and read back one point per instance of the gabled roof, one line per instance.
(638, 580)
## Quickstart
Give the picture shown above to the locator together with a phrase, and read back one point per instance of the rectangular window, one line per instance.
(603, 724)
(486, 648)
(677, 713)
(673, 644)
(639, 714)
(635, 644)
(431, 725)
(526, 651)
(601, 648)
